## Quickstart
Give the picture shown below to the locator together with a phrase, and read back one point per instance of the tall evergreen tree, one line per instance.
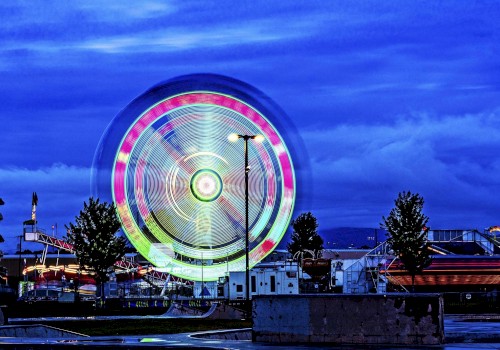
(407, 232)
(305, 237)
(93, 235)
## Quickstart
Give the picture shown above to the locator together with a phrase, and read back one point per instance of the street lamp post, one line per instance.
(257, 138)
(202, 282)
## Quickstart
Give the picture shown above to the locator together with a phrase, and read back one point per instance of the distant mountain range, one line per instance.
(334, 238)
(345, 237)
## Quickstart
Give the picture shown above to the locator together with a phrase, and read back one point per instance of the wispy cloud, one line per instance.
(387, 97)
(55, 33)
(116, 10)
(450, 160)
(182, 38)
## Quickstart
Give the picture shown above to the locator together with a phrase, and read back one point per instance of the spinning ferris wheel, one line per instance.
(178, 183)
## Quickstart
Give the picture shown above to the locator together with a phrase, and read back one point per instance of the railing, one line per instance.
(485, 241)
(364, 276)
(49, 240)
(151, 274)
(472, 302)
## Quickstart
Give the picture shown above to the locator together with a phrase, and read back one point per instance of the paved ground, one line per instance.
(462, 332)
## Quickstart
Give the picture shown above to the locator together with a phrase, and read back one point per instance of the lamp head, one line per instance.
(233, 137)
(259, 138)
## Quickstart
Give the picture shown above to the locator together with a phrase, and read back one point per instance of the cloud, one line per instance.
(124, 28)
(53, 13)
(175, 38)
(117, 10)
(452, 161)
(342, 72)
(61, 191)
(63, 136)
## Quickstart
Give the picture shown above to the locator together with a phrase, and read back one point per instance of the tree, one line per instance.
(1, 218)
(1, 237)
(93, 235)
(407, 232)
(305, 238)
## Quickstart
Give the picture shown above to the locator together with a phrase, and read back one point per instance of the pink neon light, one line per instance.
(287, 170)
(228, 207)
(271, 188)
(175, 102)
(178, 101)
(120, 197)
(267, 245)
(139, 176)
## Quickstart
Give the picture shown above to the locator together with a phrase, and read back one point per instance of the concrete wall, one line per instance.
(37, 331)
(236, 334)
(226, 312)
(405, 319)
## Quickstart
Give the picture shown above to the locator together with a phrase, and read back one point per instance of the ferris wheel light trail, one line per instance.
(180, 195)
(258, 138)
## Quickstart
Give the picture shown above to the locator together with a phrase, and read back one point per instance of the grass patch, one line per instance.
(147, 326)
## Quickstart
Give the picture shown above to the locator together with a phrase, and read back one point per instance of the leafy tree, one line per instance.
(407, 232)
(305, 238)
(93, 235)
(1, 218)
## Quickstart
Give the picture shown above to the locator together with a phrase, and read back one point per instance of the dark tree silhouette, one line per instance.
(305, 238)
(3, 270)
(93, 235)
(1, 218)
(407, 232)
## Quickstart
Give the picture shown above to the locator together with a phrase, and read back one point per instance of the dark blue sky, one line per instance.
(387, 96)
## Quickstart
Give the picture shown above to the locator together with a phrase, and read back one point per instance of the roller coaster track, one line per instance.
(53, 242)
(150, 275)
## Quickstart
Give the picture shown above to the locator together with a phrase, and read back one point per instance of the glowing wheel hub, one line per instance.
(206, 185)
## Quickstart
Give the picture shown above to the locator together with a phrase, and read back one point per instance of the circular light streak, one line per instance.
(206, 185)
(178, 183)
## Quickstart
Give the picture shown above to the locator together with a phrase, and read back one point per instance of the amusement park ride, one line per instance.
(125, 269)
(178, 184)
(462, 259)
(198, 207)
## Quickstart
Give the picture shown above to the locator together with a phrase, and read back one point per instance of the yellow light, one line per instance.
(233, 137)
(259, 138)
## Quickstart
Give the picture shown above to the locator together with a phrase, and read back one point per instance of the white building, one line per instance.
(342, 261)
(265, 279)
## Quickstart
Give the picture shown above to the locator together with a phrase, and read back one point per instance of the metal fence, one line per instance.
(471, 302)
(147, 290)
